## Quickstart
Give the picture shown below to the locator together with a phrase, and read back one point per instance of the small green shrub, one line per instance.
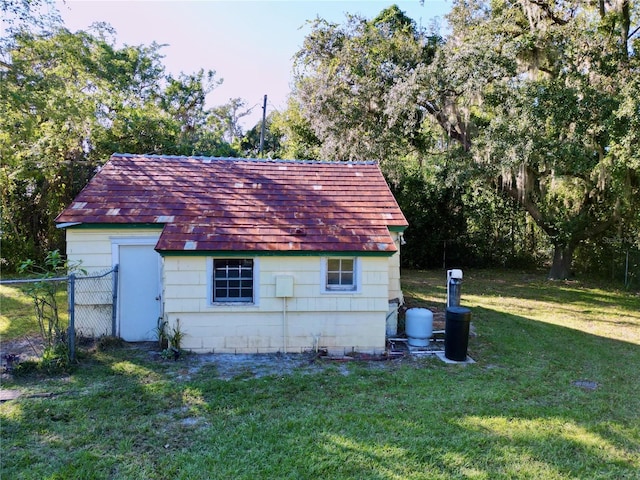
(175, 336)
(171, 353)
(54, 361)
(26, 368)
(161, 333)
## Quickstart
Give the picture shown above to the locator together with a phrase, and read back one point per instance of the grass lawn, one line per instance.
(17, 313)
(555, 394)
(17, 316)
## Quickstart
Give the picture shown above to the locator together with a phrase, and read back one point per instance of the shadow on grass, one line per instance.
(525, 285)
(517, 413)
(606, 312)
(521, 412)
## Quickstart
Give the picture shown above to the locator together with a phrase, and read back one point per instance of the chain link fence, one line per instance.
(91, 304)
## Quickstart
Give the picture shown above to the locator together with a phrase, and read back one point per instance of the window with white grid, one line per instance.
(341, 274)
(233, 280)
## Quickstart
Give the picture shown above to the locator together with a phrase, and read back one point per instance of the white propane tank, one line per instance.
(418, 326)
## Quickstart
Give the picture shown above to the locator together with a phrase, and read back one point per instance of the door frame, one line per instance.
(147, 240)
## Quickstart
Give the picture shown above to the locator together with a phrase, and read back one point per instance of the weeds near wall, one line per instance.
(174, 336)
(161, 334)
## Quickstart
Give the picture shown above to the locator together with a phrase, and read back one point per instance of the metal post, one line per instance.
(71, 331)
(626, 271)
(264, 119)
(114, 301)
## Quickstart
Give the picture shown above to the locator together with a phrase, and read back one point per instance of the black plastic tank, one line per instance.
(456, 333)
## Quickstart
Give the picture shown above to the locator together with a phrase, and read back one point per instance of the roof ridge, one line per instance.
(244, 159)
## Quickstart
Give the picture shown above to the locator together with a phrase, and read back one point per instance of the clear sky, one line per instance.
(250, 44)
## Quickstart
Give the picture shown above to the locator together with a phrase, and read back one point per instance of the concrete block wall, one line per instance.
(339, 322)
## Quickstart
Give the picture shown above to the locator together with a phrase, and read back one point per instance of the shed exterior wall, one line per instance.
(310, 319)
(93, 250)
(395, 289)
(339, 322)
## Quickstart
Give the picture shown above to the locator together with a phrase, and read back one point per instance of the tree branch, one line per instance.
(451, 131)
(532, 209)
(547, 9)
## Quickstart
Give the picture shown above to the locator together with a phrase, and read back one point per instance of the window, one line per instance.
(341, 275)
(233, 280)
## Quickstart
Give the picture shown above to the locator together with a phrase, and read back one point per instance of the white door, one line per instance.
(139, 297)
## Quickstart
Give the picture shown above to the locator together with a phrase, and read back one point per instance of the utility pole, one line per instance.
(264, 117)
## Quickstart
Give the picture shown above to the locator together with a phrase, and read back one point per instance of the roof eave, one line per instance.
(68, 224)
(274, 253)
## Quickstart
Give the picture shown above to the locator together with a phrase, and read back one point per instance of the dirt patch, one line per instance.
(229, 366)
(20, 350)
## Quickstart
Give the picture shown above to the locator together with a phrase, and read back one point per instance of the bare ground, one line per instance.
(24, 348)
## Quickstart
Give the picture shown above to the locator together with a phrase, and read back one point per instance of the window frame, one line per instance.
(356, 285)
(211, 280)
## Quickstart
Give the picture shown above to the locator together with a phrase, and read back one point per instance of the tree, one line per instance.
(50, 94)
(271, 148)
(431, 198)
(69, 100)
(225, 119)
(346, 79)
(357, 96)
(19, 15)
(293, 128)
(541, 111)
(541, 96)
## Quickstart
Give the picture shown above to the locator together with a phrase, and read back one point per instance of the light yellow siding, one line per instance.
(338, 322)
(309, 319)
(92, 249)
(395, 291)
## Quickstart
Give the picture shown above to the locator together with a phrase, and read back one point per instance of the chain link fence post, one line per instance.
(114, 303)
(71, 330)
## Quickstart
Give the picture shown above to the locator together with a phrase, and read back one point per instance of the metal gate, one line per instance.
(93, 301)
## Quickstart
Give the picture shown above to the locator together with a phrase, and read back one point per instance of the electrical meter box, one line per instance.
(284, 286)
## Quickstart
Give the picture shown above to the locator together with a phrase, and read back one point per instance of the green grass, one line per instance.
(17, 314)
(516, 413)
(17, 317)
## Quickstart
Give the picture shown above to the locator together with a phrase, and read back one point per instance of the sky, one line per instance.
(250, 44)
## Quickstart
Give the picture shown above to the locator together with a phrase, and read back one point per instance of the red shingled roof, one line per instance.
(233, 204)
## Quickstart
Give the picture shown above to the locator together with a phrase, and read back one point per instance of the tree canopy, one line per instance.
(513, 133)
(70, 99)
(347, 77)
(537, 99)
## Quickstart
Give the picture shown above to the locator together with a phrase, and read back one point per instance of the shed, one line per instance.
(244, 255)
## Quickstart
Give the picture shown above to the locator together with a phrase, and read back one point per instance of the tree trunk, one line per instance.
(562, 260)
